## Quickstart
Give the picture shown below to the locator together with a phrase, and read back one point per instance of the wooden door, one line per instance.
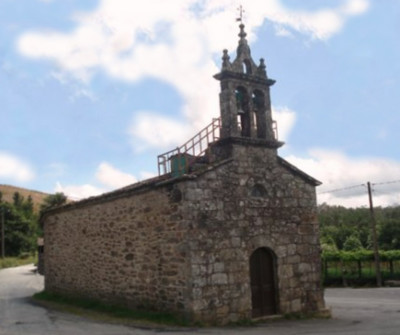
(262, 278)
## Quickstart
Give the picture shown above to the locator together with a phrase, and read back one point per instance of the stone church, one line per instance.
(227, 231)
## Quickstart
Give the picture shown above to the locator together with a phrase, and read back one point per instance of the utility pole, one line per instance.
(374, 239)
(2, 233)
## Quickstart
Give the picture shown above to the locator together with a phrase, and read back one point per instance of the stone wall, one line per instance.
(229, 219)
(129, 250)
(184, 246)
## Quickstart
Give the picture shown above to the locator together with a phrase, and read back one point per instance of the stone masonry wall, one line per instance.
(185, 247)
(228, 221)
(129, 250)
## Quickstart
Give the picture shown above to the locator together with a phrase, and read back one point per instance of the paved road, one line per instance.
(356, 311)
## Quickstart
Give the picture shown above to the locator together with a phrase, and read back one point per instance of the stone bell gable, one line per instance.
(245, 102)
(227, 231)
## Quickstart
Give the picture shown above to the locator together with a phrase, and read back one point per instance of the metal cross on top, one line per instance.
(241, 11)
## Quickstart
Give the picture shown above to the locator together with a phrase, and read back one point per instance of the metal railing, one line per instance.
(182, 157)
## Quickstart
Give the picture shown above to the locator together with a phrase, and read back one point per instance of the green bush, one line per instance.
(360, 255)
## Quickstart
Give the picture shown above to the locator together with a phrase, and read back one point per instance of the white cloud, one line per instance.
(83, 93)
(147, 175)
(320, 24)
(285, 119)
(282, 31)
(339, 172)
(15, 168)
(60, 76)
(172, 41)
(77, 192)
(152, 130)
(78, 89)
(107, 177)
(113, 178)
(355, 7)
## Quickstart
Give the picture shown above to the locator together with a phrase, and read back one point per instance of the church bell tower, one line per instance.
(245, 102)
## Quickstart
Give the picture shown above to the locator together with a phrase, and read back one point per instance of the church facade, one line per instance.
(227, 234)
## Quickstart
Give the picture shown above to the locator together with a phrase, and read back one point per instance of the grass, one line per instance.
(106, 312)
(10, 262)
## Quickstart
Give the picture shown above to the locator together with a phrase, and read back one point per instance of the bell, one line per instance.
(240, 111)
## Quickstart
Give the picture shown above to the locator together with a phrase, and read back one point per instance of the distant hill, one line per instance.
(37, 197)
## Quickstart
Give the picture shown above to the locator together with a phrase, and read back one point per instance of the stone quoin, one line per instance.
(227, 234)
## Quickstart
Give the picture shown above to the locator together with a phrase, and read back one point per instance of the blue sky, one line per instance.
(92, 91)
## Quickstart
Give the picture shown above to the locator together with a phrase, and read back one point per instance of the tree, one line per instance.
(328, 244)
(389, 235)
(338, 223)
(18, 199)
(19, 230)
(52, 201)
(27, 206)
(352, 243)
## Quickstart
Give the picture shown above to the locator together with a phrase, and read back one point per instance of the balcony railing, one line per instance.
(178, 161)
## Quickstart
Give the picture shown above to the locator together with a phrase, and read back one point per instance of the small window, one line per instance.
(246, 66)
(258, 191)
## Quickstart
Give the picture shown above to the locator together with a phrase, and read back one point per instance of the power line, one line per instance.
(387, 182)
(343, 189)
(360, 185)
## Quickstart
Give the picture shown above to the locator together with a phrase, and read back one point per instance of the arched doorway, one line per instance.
(262, 279)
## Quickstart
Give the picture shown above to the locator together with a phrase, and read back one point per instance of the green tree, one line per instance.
(328, 244)
(52, 201)
(19, 230)
(18, 199)
(389, 234)
(352, 243)
(339, 223)
(27, 207)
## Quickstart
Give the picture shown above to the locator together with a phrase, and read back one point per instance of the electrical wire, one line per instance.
(387, 182)
(360, 185)
(343, 189)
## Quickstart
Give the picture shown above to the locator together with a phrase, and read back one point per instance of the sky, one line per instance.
(91, 91)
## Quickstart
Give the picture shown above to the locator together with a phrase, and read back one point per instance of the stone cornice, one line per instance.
(227, 74)
(250, 141)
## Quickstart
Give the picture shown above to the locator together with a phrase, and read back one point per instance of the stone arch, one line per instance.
(258, 106)
(243, 111)
(263, 282)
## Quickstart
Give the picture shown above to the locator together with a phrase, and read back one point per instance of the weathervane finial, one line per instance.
(241, 11)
